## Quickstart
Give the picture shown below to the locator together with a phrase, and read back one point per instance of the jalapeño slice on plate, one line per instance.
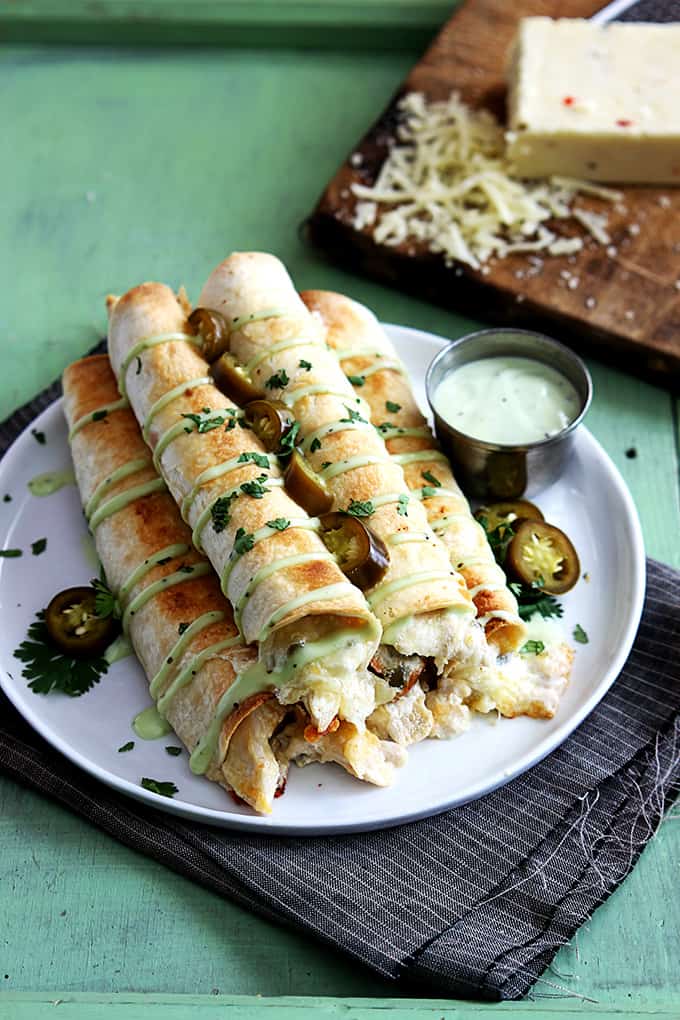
(508, 512)
(73, 625)
(541, 553)
(361, 554)
(306, 487)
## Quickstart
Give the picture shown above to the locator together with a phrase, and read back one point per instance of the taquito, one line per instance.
(313, 629)
(370, 362)
(179, 624)
(513, 684)
(422, 601)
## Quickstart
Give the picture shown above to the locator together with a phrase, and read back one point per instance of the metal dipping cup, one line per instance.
(499, 470)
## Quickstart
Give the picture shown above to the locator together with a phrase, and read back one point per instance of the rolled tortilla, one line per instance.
(184, 634)
(422, 602)
(314, 632)
(368, 358)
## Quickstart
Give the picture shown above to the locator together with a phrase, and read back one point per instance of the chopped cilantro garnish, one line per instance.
(402, 505)
(155, 786)
(243, 541)
(98, 415)
(357, 380)
(432, 479)
(48, 669)
(532, 599)
(11, 554)
(174, 752)
(204, 424)
(392, 407)
(580, 635)
(182, 627)
(353, 416)
(186, 568)
(532, 648)
(38, 436)
(255, 488)
(428, 491)
(38, 546)
(326, 463)
(139, 366)
(359, 508)
(161, 563)
(7, 498)
(219, 511)
(260, 459)
(307, 365)
(278, 381)
(279, 523)
(314, 445)
(126, 747)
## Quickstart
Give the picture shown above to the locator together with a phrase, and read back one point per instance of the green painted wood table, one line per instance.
(123, 165)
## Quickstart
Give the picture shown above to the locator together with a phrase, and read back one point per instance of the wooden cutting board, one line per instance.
(625, 307)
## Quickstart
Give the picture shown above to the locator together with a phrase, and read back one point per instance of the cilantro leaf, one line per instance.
(11, 554)
(220, 511)
(359, 508)
(204, 424)
(402, 505)
(105, 601)
(49, 669)
(580, 635)
(38, 546)
(278, 381)
(99, 415)
(173, 751)
(314, 445)
(7, 498)
(156, 786)
(499, 538)
(126, 747)
(532, 648)
(38, 436)
(392, 407)
(139, 366)
(357, 380)
(353, 416)
(307, 365)
(260, 459)
(243, 541)
(432, 479)
(255, 488)
(532, 599)
(287, 444)
(279, 523)
(428, 491)
(326, 463)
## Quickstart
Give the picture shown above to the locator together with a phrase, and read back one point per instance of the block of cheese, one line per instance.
(595, 101)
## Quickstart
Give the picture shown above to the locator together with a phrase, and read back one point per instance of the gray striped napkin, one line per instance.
(475, 902)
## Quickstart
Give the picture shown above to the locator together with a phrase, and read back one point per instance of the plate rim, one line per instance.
(271, 824)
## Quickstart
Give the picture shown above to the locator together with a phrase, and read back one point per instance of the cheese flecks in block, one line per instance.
(595, 101)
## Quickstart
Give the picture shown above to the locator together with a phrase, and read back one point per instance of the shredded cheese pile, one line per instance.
(447, 182)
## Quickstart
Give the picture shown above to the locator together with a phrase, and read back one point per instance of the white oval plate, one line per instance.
(590, 501)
